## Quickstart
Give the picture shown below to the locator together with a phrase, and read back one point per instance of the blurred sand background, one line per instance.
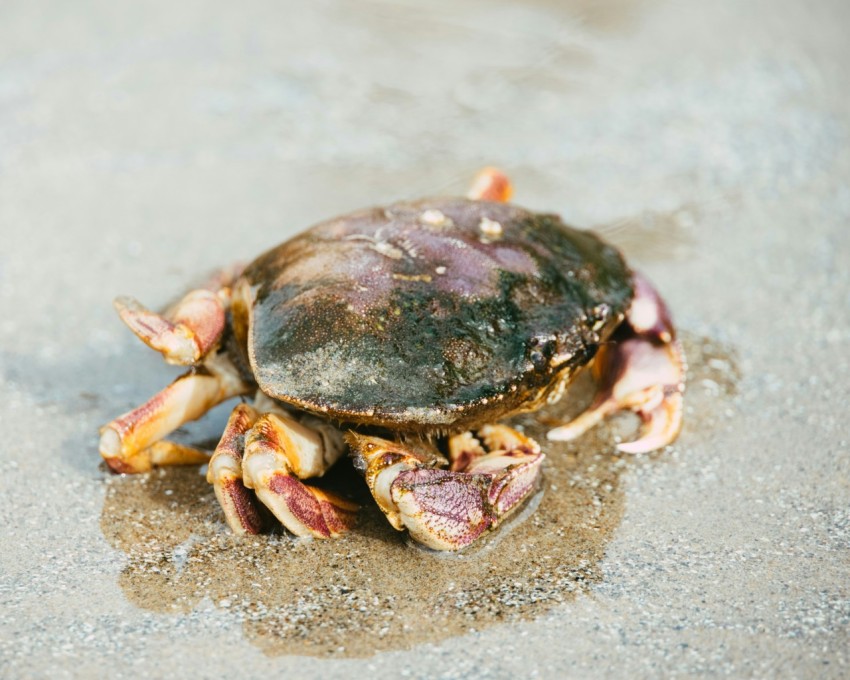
(141, 146)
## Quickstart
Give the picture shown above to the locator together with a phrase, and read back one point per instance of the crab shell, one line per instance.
(431, 316)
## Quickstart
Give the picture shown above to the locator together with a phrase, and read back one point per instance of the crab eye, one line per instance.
(540, 350)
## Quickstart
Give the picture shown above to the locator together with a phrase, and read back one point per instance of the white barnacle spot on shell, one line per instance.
(387, 249)
(440, 270)
(410, 248)
(490, 228)
(382, 247)
(435, 218)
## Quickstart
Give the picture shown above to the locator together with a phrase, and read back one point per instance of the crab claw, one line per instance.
(279, 450)
(449, 509)
(642, 370)
(190, 331)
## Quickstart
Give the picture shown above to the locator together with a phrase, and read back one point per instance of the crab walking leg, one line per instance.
(125, 443)
(642, 370)
(465, 449)
(225, 474)
(279, 452)
(187, 333)
(163, 453)
(449, 509)
(491, 184)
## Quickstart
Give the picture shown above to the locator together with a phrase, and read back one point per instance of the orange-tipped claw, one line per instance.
(491, 184)
(642, 370)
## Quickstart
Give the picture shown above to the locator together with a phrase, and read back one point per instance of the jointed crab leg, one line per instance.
(449, 509)
(125, 443)
(278, 451)
(225, 474)
(187, 333)
(643, 370)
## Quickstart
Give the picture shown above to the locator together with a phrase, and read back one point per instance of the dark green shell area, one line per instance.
(431, 314)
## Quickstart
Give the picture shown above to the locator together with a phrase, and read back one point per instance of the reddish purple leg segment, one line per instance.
(281, 451)
(225, 474)
(261, 461)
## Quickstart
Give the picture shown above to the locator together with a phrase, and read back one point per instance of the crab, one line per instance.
(403, 335)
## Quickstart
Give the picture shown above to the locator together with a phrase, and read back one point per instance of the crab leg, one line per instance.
(491, 184)
(125, 443)
(642, 370)
(279, 452)
(449, 509)
(225, 474)
(187, 333)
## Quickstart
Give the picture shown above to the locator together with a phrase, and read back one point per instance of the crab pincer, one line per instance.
(449, 509)
(642, 369)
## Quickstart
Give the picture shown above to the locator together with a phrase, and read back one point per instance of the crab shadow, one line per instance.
(371, 590)
(85, 390)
